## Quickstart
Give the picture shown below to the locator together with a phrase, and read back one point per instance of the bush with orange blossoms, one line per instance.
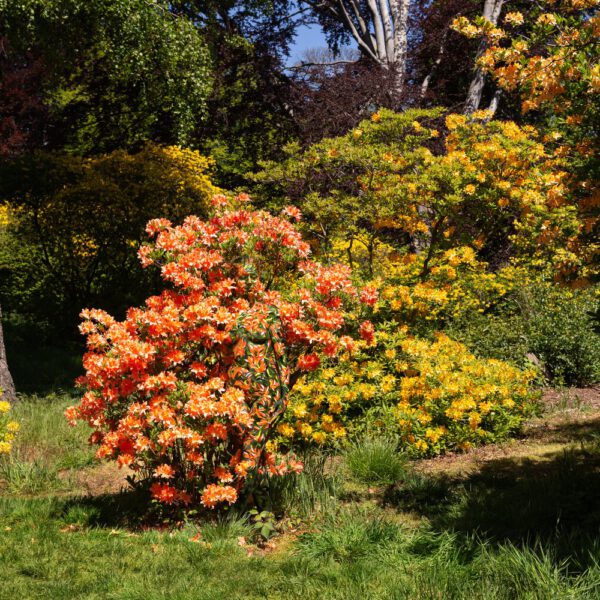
(550, 59)
(188, 390)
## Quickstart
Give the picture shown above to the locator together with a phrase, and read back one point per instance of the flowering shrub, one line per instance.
(549, 58)
(452, 285)
(427, 185)
(8, 427)
(435, 394)
(188, 390)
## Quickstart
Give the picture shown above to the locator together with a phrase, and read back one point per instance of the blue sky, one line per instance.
(307, 37)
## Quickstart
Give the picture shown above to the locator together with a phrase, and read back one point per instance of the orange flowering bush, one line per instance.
(549, 58)
(188, 390)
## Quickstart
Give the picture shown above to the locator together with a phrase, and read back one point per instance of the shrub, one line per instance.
(375, 461)
(435, 394)
(552, 322)
(429, 186)
(71, 224)
(188, 390)
(8, 427)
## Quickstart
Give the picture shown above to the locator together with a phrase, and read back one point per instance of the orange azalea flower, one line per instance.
(215, 494)
(164, 493)
(164, 472)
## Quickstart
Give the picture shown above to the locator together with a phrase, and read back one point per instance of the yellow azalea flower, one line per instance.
(547, 19)
(300, 411)
(335, 407)
(514, 18)
(286, 430)
(339, 432)
(319, 437)
(305, 430)
(474, 420)
(485, 407)
(421, 445)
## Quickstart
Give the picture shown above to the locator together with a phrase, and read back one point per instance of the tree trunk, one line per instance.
(380, 29)
(7, 387)
(400, 12)
(491, 12)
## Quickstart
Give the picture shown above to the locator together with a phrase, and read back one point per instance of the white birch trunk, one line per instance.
(491, 12)
(381, 32)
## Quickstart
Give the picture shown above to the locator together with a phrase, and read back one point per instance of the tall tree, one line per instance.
(7, 387)
(491, 14)
(249, 107)
(116, 72)
(380, 28)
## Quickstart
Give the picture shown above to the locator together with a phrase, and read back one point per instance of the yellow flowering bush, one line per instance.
(454, 284)
(73, 223)
(8, 427)
(425, 184)
(435, 394)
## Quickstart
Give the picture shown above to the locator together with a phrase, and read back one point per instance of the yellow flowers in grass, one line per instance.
(8, 427)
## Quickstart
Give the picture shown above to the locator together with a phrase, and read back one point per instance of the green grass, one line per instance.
(510, 531)
(46, 450)
(375, 461)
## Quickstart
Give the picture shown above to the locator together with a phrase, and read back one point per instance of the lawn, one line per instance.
(513, 521)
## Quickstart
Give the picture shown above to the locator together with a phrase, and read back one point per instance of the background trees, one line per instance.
(114, 73)
(109, 112)
(73, 223)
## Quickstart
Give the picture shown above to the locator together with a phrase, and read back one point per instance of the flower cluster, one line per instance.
(8, 427)
(188, 390)
(455, 285)
(566, 30)
(435, 394)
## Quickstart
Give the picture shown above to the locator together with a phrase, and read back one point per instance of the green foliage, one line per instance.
(349, 536)
(315, 491)
(263, 523)
(117, 72)
(74, 223)
(375, 461)
(553, 323)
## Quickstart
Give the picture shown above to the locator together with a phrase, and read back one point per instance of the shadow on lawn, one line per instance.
(568, 432)
(552, 502)
(127, 509)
